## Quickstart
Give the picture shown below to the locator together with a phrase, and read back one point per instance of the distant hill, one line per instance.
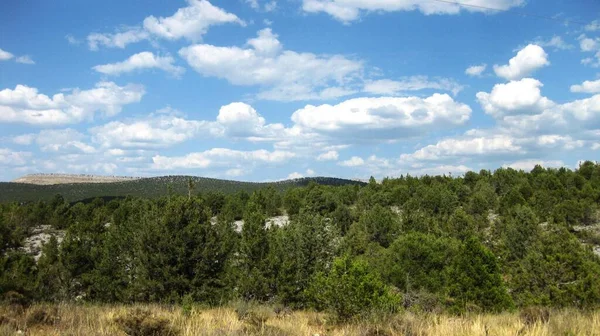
(84, 187)
(48, 179)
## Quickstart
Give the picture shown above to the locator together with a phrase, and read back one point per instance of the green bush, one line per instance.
(140, 322)
(350, 290)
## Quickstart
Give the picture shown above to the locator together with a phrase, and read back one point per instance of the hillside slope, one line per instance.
(148, 187)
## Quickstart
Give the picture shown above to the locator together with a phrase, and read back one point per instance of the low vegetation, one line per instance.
(160, 320)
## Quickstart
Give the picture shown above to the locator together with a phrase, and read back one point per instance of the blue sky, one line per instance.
(265, 90)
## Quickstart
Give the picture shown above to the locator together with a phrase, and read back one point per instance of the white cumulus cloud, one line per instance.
(12, 158)
(5, 55)
(466, 147)
(220, 157)
(294, 175)
(528, 165)
(347, 11)
(154, 131)
(527, 60)
(354, 161)
(383, 117)
(587, 87)
(593, 26)
(476, 70)
(25, 105)
(515, 97)
(328, 156)
(141, 61)
(283, 75)
(190, 22)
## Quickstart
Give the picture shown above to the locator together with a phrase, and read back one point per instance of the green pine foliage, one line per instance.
(485, 241)
(351, 289)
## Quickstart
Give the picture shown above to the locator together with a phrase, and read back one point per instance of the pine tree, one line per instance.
(475, 279)
(253, 251)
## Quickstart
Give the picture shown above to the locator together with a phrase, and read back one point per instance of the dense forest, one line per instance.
(486, 241)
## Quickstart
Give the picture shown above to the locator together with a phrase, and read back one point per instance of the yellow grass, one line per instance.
(69, 319)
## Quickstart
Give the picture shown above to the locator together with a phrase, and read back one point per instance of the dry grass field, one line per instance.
(68, 319)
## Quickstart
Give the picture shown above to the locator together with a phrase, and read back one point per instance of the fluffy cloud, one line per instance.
(588, 44)
(119, 39)
(5, 55)
(527, 60)
(414, 83)
(284, 75)
(515, 97)
(220, 157)
(354, 161)
(294, 175)
(520, 107)
(59, 140)
(241, 121)
(328, 156)
(152, 132)
(25, 105)
(329, 127)
(347, 11)
(25, 59)
(528, 165)
(190, 22)
(382, 118)
(553, 141)
(593, 26)
(573, 117)
(587, 87)
(584, 110)
(11, 158)
(476, 70)
(64, 140)
(466, 147)
(141, 61)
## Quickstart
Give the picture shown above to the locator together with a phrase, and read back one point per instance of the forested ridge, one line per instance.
(487, 241)
(151, 187)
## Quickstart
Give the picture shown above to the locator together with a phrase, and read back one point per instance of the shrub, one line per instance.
(42, 315)
(140, 322)
(532, 315)
(350, 289)
(15, 298)
(187, 304)
(252, 315)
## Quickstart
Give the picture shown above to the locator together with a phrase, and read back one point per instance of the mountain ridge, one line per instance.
(22, 190)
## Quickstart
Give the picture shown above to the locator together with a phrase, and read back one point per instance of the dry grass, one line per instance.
(68, 319)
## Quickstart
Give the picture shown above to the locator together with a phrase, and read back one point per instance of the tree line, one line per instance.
(486, 241)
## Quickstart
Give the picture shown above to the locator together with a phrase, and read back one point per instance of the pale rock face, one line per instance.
(40, 236)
